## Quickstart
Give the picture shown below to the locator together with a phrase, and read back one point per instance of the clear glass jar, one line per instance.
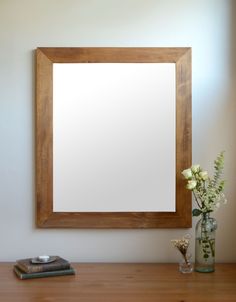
(185, 264)
(205, 244)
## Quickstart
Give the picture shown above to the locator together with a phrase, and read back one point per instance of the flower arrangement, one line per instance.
(208, 192)
(182, 245)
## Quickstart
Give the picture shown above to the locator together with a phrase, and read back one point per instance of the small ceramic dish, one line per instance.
(43, 259)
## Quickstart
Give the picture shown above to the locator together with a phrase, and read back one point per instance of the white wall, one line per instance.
(206, 26)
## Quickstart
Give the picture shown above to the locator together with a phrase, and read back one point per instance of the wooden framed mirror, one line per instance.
(113, 133)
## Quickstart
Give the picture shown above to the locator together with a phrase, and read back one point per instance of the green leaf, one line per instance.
(196, 212)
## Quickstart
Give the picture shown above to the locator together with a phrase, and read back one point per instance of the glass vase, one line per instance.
(205, 244)
(185, 264)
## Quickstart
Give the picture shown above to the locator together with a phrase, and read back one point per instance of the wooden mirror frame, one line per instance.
(46, 218)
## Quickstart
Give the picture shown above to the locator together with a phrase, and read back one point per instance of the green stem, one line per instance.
(212, 248)
(207, 242)
(185, 259)
(196, 199)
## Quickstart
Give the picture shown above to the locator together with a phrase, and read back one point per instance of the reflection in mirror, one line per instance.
(114, 137)
(113, 133)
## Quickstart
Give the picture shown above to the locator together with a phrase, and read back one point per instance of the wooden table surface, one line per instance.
(122, 282)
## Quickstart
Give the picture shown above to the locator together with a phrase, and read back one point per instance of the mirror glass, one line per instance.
(114, 137)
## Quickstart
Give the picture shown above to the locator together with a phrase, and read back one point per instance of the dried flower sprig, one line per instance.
(182, 245)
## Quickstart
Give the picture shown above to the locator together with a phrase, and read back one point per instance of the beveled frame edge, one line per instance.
(46, 218)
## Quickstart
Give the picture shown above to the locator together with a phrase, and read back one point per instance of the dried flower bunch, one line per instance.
(208, 192)
(182, 245)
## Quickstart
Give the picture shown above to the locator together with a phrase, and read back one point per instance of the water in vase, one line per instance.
(205, 255)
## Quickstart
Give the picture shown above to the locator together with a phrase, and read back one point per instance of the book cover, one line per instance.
(22, 275)
(26, 266)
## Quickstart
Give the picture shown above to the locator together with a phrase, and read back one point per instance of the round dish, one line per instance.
(37, 260)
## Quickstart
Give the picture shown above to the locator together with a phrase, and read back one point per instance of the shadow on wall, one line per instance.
(233, 41)
(221, 132)
(228, 214)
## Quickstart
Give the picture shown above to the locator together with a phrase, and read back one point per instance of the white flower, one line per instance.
(224, 200)
(187, 173)
(191, 184)
(203, 175)
(195, 168)
(208, 192)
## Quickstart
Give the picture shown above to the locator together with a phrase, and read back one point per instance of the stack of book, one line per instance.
(38, 268)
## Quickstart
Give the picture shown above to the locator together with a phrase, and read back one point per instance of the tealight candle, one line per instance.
(43, 258)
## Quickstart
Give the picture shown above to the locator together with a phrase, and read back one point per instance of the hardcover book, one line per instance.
(23, 275)
(25, 265)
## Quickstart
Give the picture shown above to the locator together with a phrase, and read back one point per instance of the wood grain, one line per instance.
(122, 282)
(113, 54)
(46, 218)
(44, 139)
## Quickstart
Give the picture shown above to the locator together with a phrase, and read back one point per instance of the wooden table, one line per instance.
(122, 282)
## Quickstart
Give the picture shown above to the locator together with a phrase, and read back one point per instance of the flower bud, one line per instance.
(195, 168)
(191, 184)
(203, 175)
(187, 173)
